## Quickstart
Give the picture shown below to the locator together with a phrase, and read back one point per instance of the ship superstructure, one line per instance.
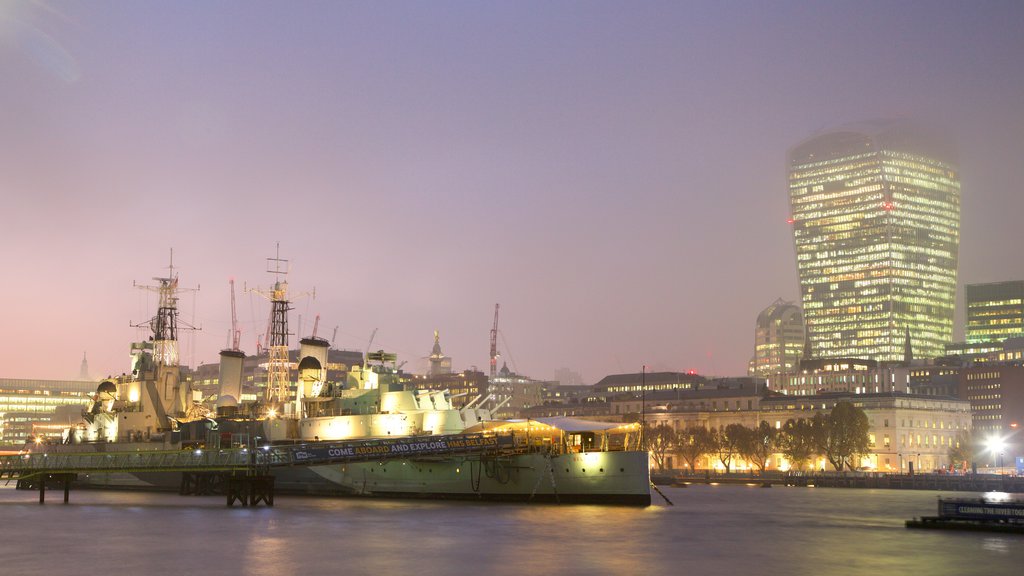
(152, 398)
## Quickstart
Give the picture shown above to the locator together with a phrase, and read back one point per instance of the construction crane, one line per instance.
(316, 324)
(368, 344)
(494, 344)
(236, 334)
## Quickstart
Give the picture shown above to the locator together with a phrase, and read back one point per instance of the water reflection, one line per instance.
(711, 530)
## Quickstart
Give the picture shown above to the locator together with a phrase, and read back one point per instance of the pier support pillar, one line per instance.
(251, 490)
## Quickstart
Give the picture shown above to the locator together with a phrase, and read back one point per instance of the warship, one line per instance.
(153, 408)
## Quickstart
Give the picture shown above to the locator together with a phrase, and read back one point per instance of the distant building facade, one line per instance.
(650, 382)
(514, 392)
(995, 311)
(842, 375)
(568, 377)
(875, 215)
(996, 395)
(778, 339)
(464, 387)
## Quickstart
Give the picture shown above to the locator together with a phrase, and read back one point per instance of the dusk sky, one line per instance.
(612, 173)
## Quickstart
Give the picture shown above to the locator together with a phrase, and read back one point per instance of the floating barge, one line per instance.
(978, 514)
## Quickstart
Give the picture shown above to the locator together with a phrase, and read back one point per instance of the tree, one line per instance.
(660, 441)
(693, 443)
(964, 450)
(797, 442)
(727, 443)
(842, 435)
(758, 444)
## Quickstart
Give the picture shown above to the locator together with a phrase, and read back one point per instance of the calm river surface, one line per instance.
(710, 530)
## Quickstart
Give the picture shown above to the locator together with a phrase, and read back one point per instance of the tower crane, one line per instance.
(236, 334)
(494, 343)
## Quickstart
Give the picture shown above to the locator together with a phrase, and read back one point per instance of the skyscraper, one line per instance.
(778, 339)
(995, 311)
(875, 212)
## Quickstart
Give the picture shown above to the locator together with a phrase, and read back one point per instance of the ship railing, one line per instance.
(264, 457)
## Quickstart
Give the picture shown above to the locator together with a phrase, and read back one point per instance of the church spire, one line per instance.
(83, 371)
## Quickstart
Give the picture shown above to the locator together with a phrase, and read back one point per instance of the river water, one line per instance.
(710, 530)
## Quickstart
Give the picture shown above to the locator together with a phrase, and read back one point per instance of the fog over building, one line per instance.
(875, 213)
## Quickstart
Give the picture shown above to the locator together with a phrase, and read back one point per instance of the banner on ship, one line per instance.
(406, 447)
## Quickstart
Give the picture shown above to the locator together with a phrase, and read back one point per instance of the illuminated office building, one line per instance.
(995, 311)
(778, 339)
(875, 212)
(27, 406)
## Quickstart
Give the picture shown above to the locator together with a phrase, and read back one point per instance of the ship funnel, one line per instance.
(230, 382)
(312, 366)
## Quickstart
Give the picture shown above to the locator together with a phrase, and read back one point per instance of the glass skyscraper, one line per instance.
(875, 213)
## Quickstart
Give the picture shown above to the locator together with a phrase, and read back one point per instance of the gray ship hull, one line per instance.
(593, 477)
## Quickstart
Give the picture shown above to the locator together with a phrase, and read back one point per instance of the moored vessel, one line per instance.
(152, 408)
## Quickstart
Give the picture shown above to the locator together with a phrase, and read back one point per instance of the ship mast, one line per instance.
(164, 334)
(278, 365)
(164, 326)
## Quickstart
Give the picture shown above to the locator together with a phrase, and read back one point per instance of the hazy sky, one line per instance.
(613, 173)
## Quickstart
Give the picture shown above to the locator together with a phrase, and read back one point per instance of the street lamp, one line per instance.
(996, 445)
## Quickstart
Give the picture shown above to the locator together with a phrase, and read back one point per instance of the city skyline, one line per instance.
(614, 176)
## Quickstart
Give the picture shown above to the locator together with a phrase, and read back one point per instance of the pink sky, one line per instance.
(612, 173)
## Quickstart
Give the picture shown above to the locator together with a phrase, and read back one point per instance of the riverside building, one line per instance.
(875, 214)
(903, 429)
